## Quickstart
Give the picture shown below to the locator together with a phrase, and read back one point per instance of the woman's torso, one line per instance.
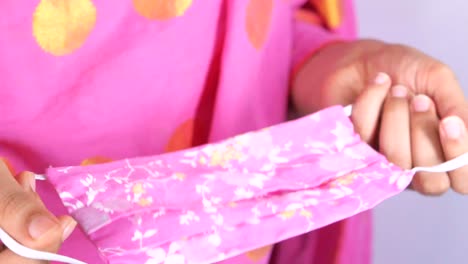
(83, 79)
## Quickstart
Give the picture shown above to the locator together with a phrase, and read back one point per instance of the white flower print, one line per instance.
(267, 167)
(344, 135)
(202, 189)
(273, 156)
(91, 192)
(256, 212)
(159, 256)
(218, 219)
(400, 179)
(214, 239)
(317, 147)
(70, 201)
(257, 180)
(140, 236)
(188, 217)
(340, 191)
(243, 193)
(160, 212)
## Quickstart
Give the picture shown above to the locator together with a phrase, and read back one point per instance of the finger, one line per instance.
(454, 140)
(27, 180)
(22, 215)
(442, 85)
(426, 147)
(368, 106)
(394, 137)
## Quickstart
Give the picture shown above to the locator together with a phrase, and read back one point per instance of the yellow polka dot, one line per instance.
(60, 27)
(259, 254)
(161, 9)
(257, 21)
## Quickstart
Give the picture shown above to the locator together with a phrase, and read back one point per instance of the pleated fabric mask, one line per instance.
(213, 202)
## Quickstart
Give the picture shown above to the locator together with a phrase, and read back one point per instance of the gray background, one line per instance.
(410, 228)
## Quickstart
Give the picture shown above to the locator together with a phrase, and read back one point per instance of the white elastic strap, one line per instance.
(25, 252)
(40, 177)
(450, 165)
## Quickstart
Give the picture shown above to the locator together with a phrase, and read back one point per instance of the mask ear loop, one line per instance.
(447, 166)
(25, 252)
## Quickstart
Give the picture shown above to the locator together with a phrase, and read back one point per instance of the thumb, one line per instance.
(24, 217)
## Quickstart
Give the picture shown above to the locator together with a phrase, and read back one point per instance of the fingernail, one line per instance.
(453, 127)
(421, 103)
(40, 225)
(381, 78)
(68, 229)
(399, 91)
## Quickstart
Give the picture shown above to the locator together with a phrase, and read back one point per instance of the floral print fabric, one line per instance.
(220, 200)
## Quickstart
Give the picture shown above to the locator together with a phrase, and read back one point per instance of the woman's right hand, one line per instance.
(25, 218)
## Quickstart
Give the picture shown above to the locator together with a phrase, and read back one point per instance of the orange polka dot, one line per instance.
(161, 9)
(182, 137)
(257, 21)
(259, 254)
(60, 27)
(95, 160)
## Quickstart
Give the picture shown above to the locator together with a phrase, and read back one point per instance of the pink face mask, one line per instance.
(217, 201)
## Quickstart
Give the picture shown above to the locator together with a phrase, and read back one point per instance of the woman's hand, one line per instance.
(407, 104)
(26, 219)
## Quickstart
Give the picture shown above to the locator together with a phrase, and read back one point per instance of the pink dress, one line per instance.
(117, 79)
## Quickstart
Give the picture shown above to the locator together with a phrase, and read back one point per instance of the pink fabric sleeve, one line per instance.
(317, 24)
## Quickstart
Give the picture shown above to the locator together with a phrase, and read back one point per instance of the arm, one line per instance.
(317, 24)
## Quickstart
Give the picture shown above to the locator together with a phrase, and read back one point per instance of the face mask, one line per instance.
(210, 203)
